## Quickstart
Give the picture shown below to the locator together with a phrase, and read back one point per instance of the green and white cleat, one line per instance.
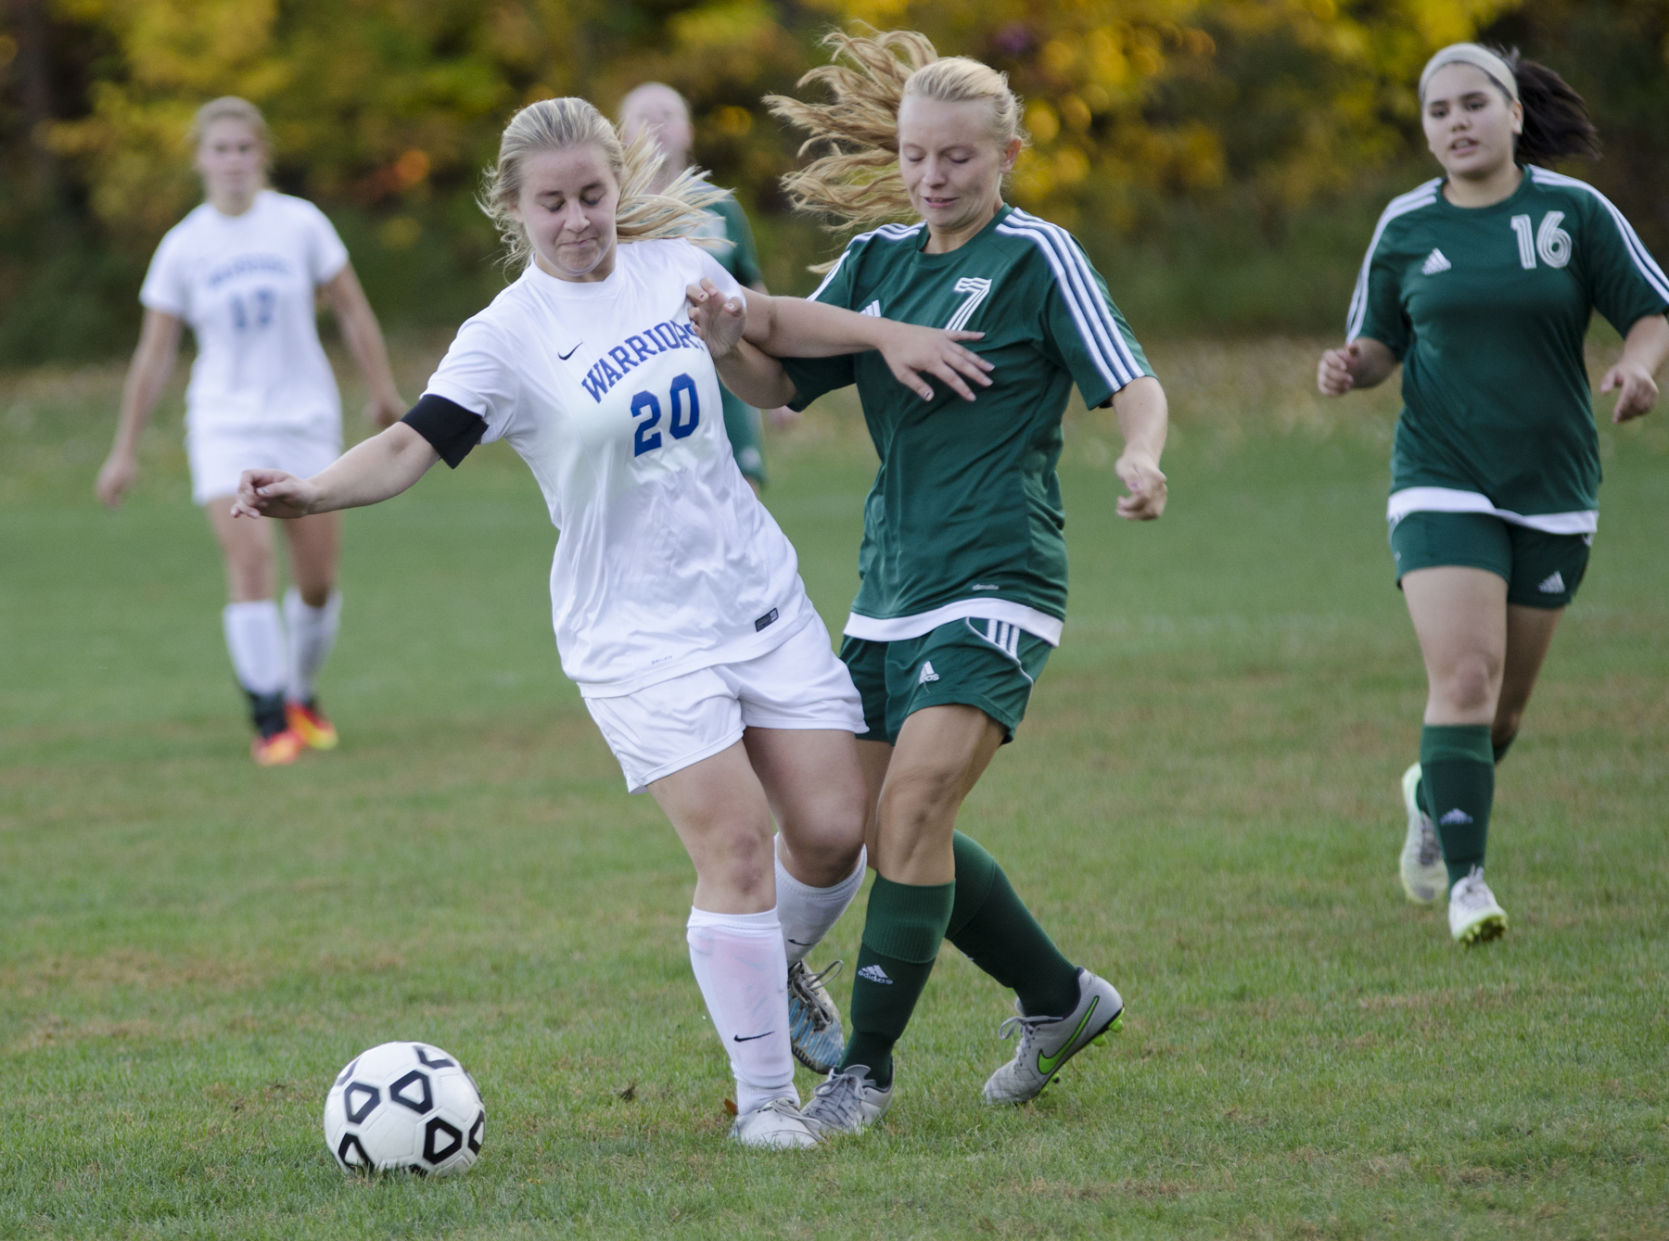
(1475, 917)
(1424, 877)
(814, 1032)
(776, 1125)
(848, 1102)
(1046, 1043)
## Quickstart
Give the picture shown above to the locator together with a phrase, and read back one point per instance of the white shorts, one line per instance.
(219, 458)
(674, 724)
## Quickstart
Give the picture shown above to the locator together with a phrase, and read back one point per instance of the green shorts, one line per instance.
(987, 664)
(1541, 570)
(742, 425)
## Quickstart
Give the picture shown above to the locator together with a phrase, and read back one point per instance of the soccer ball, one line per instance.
(404, 1107)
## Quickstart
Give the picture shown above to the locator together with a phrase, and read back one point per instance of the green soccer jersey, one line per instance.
(1487, 309)
(965, 515)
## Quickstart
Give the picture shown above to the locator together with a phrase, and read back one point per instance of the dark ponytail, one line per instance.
(1555, 117)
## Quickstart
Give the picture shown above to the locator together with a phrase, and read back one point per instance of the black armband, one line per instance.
(450, 428)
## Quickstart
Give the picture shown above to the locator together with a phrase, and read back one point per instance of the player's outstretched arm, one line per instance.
(368, 473)
(755, 377)
(1634, 375)
(1143, 420)
(365, 341)
(1362, 363)
(794, 327)
(153, 362)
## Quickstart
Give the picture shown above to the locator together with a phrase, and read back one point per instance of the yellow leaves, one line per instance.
(733, 122)
(1042, 121)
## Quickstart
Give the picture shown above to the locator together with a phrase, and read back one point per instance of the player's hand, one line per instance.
(1336, 372)
(273, 493)
(1635, 388)
(1145, 481)
(116, 475)
(914, 353)
(385, 410)
(717, 319)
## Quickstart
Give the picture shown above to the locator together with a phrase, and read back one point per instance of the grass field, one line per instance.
(1203, 803)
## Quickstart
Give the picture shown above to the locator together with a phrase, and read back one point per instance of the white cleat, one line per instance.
(848, 1102)
(1475, 917)
(1047, 1043)
(776, 1125)
(1424, 877)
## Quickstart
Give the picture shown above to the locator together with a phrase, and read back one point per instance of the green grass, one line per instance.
(1203, 805)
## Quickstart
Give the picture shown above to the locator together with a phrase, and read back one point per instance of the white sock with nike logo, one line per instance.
(742, 971)
(807, 913)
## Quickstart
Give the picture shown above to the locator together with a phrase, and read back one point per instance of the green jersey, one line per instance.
(965, 516)
(1487, 309)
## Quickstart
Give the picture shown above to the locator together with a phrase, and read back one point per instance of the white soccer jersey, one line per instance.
(246, 285)
(666, 563)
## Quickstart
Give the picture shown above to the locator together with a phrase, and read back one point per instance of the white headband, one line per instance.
(1479, 57)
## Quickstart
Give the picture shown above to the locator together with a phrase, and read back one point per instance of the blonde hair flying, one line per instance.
(641, 215)
(854, 135)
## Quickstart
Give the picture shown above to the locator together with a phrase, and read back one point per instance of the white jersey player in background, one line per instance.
(676, 599)
(243, 269)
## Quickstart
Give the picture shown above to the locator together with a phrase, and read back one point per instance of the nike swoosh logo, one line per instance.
(1046, 1065)
(565, 356)
(740, 1038)
(799, 943)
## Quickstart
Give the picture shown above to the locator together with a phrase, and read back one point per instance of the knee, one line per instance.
(737, 860)
(1504, 729)
(916, 799)
(823, 840)
(1470, 684)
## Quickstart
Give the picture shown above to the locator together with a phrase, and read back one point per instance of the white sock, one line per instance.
(743, 976)
(255, 640)
(312, 633)
(807, 913)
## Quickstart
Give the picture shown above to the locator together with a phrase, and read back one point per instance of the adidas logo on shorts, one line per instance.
(1552, 584)
(927, 673)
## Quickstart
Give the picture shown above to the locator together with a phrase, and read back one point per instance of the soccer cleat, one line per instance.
(1475, 917)
(310, 724)
(277, 750)
(1423, 874)
(813, 1020)
(848, 1102)
(1046, 1043)
(776, 1125)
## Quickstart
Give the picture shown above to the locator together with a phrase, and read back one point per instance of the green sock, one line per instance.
(902, 931)
(1457, 770)
(995, 930)
(1497, 748)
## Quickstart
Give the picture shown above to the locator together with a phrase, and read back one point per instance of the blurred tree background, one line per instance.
(1223, 160)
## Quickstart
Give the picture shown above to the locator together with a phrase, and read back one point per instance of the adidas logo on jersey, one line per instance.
(875, 973)
(1435, 262)
(1455, 818)
(873, 310)
(927, 673)
(1553, 584)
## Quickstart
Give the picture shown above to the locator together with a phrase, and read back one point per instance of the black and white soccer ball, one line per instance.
(404, 1107)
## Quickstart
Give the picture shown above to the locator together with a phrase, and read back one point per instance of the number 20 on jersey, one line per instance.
(684, 415)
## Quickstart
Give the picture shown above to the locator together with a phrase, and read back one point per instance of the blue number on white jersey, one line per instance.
(682, 423)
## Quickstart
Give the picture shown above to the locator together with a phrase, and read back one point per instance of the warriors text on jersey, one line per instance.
(1487, 308)
(246, 285)
(965, 515)
(666, 562)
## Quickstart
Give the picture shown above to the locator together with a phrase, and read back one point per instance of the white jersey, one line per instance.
(666, 563)
(246, 285)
